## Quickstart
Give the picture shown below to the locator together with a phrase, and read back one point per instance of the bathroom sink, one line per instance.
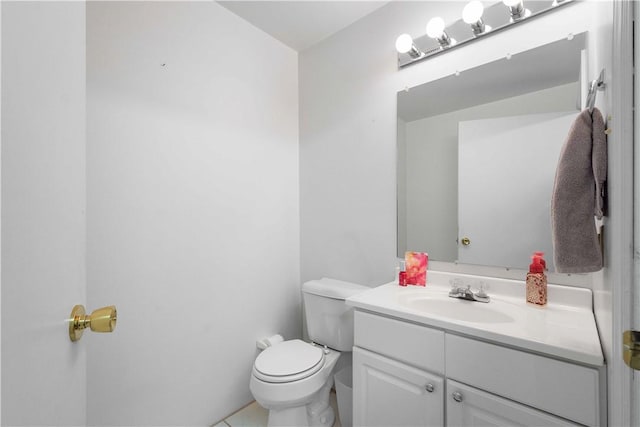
(455, 309)
(565, 328)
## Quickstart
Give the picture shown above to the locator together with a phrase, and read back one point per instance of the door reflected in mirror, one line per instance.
(477, 155)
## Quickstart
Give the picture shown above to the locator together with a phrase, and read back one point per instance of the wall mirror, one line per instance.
(477, 154)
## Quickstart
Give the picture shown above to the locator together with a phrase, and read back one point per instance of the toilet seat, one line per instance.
(288, 361)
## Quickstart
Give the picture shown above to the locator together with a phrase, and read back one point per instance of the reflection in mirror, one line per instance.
(477, 155)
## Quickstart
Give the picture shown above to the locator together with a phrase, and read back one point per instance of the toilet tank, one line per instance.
(329, 319)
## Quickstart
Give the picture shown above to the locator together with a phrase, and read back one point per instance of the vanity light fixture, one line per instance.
(435, 30)
(483, 16)
(517, 9)
(404, 44)
(472, 15)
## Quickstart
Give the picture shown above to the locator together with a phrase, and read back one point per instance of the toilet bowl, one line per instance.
(292, 379)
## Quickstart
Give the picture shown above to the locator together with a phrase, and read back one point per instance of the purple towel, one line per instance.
(578, 196)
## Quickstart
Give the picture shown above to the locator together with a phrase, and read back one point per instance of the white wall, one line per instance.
(348, 126)
(600, 56)
(348, 146)
(43, 211)
(193, 207)
(0, 212)
(432, 167)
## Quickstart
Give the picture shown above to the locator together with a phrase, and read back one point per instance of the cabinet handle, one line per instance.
(457, 396)
(429, 388)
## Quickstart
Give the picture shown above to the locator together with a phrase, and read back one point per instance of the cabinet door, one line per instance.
(564, 389)
(389, 393)
(468, 406)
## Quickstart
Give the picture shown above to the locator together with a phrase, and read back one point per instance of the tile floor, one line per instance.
(254, 415)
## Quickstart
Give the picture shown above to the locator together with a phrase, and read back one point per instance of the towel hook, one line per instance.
(594, 87)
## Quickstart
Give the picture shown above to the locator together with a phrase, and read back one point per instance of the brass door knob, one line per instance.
(631, 349)
(101, 320)
(465, 241)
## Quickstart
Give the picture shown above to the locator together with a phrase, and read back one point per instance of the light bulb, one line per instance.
(435, 27)
(472, 12)
(404, 42)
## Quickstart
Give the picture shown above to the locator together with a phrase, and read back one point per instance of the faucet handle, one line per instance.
(456, 283)
(482, 293)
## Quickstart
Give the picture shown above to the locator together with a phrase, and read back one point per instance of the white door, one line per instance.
(390, 393)
(507, 163)
(43, 220)
(468, 406)
(635, 315)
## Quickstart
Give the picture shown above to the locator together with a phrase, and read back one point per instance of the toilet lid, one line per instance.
(288, 361)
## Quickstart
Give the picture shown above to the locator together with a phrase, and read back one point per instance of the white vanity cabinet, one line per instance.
(398, 372)
(410, 374)
(469, 406)
(391, 393)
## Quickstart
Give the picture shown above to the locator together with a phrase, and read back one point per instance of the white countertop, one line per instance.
(564, 328)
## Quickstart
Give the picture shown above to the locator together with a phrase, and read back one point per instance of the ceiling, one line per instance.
(301, 24)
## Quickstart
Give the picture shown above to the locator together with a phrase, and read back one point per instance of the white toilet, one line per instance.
(293, 378)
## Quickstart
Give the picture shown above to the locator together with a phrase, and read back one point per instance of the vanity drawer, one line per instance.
(416, 345)
(560, 388)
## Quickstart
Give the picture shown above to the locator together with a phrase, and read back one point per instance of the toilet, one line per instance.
(293, 379)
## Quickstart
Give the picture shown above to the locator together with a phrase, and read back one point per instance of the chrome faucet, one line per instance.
(459, 291)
